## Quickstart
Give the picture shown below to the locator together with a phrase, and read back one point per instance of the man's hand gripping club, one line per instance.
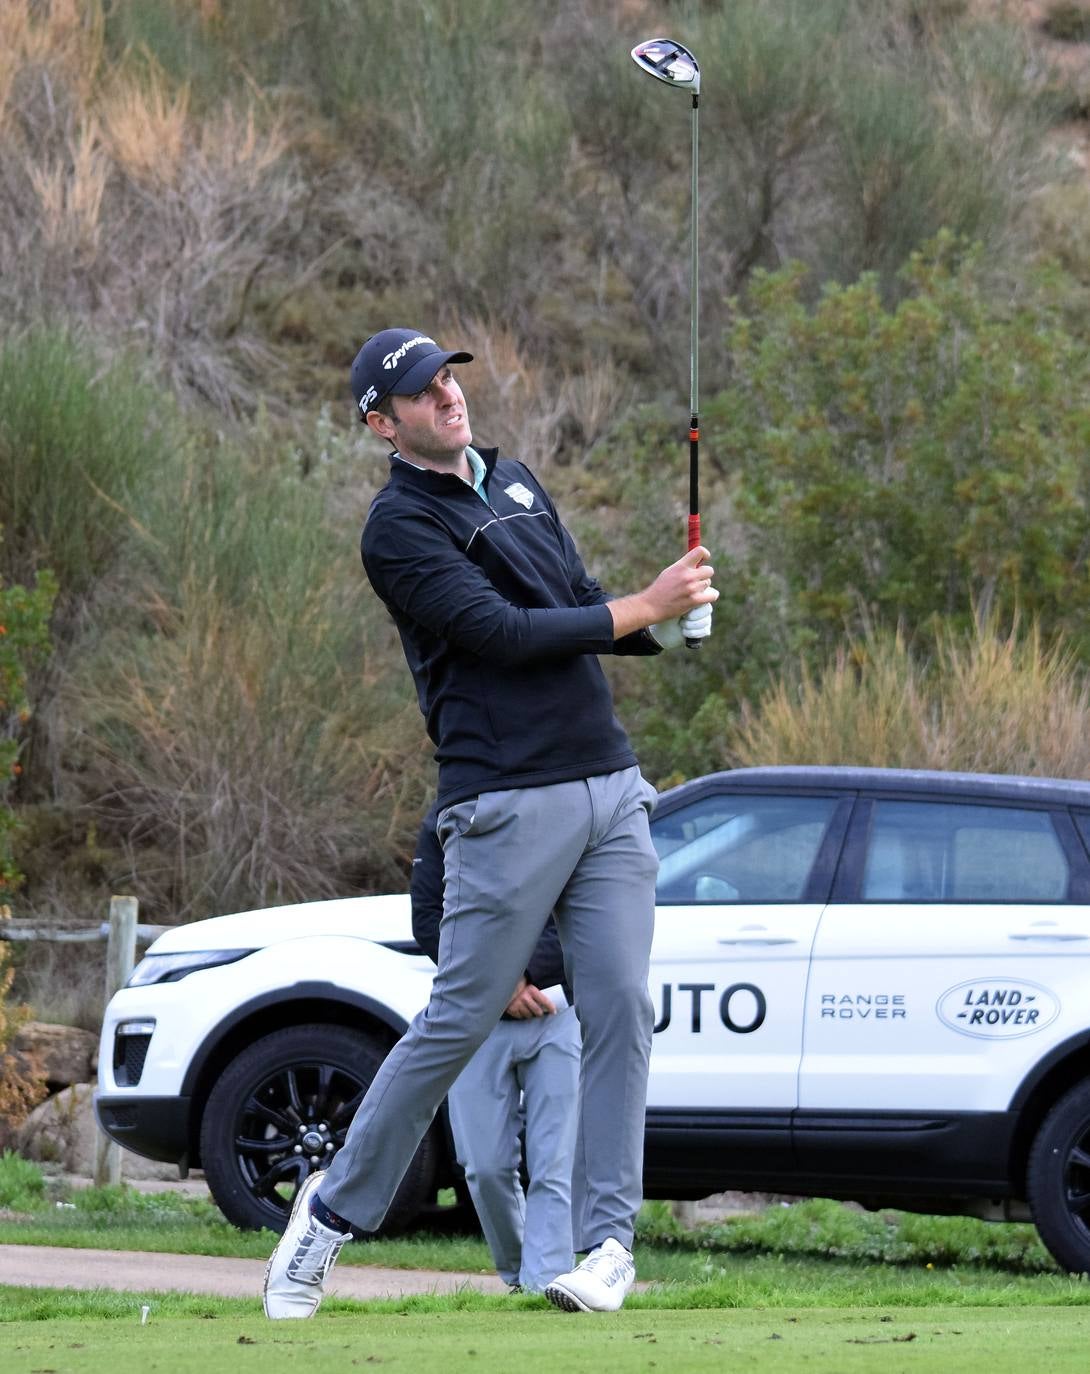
(676, 606)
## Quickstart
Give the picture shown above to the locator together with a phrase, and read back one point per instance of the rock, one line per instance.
(64, 1054)
(62, 1130)
(733, 1204)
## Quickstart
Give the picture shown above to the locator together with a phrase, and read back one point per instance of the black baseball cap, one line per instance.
(397, 362)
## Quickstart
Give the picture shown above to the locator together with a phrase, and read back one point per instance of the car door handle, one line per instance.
(1055, 936)
(757, 940)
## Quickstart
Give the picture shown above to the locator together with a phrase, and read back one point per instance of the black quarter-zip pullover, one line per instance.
(501, 626)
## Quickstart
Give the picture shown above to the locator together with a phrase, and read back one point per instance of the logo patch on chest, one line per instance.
(519, 493)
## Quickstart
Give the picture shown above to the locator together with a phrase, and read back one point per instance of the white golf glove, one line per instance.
(694, 624)
(697, 623)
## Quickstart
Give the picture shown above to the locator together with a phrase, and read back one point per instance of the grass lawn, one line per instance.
(123, 1219)
(104, 1336)
(816, 1286)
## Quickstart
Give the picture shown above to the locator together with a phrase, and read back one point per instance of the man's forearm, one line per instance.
(631, 613)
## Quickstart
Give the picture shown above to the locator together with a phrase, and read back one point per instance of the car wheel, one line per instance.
(1058, 1180)
(280, 1112)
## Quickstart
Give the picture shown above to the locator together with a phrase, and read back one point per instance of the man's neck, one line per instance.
(457, 464)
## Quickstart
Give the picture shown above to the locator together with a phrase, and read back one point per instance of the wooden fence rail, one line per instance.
(28, 930)
(121, 933)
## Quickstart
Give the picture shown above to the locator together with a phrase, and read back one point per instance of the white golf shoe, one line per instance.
(599, 1284)
(297, 1269)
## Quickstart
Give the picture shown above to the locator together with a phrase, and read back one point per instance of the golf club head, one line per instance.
(670, 62)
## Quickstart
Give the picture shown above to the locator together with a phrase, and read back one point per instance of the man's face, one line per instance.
(432, 426)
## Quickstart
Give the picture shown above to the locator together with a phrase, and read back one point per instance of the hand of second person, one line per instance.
(529, 1001)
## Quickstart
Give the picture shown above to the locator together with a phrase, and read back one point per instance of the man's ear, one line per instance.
(382, 425)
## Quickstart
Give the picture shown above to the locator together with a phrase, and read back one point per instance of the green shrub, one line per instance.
(118, 1205)
(833, 1230)
(899, 174)
(79, 441)
(177, 39)
(22, 1185)
(24, 641)
(1068, 21)
(911, 463)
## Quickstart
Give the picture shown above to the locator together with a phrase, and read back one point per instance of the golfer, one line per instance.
(525, 1073)
(541, 809)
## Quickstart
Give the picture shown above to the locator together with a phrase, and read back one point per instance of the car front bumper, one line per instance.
(155, 1127)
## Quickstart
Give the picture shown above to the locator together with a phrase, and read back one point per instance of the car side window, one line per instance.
(739, 848)
(952, 852)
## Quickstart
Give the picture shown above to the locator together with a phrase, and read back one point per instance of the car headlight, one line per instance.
(169, 968)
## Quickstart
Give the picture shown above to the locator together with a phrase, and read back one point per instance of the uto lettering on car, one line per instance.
(742, 1007)
(997, 1008)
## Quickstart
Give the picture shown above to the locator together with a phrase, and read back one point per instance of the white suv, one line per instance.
(869, 984)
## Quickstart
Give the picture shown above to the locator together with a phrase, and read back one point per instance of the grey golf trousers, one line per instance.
(583, 851)
(525, 1072)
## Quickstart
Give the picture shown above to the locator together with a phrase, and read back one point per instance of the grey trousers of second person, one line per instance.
(581, 850)
(527, 1071)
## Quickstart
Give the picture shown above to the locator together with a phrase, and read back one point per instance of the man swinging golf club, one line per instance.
(541, 804)
(541, 809)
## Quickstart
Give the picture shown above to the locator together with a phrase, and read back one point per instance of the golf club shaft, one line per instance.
(694, 351)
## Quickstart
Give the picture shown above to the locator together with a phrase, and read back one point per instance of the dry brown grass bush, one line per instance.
(57, 38)
(527, 407)
(992, 701)
(22, 1083)
(237, 719)
(118, 208)
(247, 765)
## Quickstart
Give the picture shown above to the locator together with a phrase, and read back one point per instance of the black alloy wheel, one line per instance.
(280, 1112)
(1058, 1180)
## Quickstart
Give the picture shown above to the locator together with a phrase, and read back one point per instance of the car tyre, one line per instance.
(280, 1111)
(1058, 1180)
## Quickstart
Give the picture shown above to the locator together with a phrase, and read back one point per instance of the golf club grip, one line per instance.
(694, 501)
(694, 542)
(694, 482)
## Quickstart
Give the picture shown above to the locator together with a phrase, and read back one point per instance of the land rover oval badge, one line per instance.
(997, 1008)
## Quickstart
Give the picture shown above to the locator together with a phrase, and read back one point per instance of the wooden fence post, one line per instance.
(120, 960)
(685, 1213)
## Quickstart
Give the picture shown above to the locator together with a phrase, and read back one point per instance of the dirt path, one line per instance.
(44, 1266)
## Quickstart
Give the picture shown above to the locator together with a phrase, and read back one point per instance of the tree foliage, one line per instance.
(913, 462)
(24, 640)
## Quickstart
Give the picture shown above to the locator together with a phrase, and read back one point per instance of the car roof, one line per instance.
(820, 777)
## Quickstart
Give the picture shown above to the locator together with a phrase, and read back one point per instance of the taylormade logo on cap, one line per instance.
(397, 362)
(391, 360)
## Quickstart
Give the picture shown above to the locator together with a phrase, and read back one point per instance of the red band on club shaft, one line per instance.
(694, 532)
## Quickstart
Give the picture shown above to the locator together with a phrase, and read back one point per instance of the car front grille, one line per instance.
(130, 1052)
(121, 1118)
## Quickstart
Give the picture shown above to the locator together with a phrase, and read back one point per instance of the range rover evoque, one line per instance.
(869, 983)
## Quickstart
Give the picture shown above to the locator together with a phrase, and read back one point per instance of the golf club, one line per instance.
(673, 63)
